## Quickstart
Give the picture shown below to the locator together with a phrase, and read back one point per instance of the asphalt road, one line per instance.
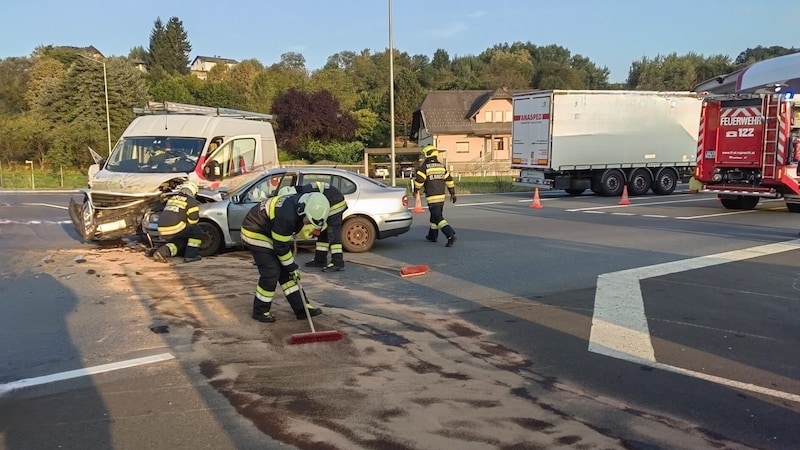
(671, 306)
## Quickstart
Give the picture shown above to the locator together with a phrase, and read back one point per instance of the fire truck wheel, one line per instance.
(640, 182)
(739, 202)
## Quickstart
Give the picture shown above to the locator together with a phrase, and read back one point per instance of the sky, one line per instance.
(610, 33)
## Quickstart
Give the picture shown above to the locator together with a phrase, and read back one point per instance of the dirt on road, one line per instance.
(403, 377)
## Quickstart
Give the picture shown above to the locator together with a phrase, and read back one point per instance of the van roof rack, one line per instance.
(182, 108)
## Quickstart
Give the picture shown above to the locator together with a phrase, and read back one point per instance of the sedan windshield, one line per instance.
(155, 154)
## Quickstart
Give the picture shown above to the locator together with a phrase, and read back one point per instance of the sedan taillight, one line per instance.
(405, 201)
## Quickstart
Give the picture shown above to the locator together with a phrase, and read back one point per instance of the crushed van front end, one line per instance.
(107, 216)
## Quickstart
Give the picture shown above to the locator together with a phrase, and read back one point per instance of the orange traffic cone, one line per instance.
(418, 205)
(625, 200)
(536, 203)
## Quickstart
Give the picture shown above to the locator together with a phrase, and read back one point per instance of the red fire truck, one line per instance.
(748, 149)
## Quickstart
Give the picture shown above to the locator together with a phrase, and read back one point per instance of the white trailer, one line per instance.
(605, 140)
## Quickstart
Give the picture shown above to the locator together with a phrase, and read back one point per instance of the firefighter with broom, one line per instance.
(331, 236)
(267, 231)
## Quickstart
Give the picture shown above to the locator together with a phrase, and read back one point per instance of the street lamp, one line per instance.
(391, 92)
(105, 90)
(28, 161)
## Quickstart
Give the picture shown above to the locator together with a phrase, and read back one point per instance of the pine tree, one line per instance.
(169, 49)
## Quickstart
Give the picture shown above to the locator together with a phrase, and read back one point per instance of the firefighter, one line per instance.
(432, 177)
(330, 238)
(178, 225)
(267, 231)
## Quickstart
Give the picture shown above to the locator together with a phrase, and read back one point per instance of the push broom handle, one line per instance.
(305, 308)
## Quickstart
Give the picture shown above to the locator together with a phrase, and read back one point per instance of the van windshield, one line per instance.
(155, 154)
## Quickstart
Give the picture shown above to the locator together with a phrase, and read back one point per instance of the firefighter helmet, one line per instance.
(188, 188)
(315, 207)
(287, 190)
(430, 151)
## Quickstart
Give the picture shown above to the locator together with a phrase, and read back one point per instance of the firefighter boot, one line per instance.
(261, 311)
(296, 302)
(451, 235)
(162, 254)
(336, 264)
(433, 234)
(318, 261)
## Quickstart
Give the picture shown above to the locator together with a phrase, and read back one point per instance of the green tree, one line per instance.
(753, 55)
(172, 89)
(15, 73)
(44, 84)
(215, 93)
(169, 49)
(408, 94)
(338, 83)
(508, 69)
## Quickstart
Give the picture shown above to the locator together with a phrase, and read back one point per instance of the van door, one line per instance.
(236, 156)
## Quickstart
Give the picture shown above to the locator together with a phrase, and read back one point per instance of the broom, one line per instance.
(405, 271)
(314, 336)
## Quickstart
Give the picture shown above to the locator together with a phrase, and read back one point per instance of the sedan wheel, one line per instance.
(358, 235)
(211, 240)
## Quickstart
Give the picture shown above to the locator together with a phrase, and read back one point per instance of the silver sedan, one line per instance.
(374, 210)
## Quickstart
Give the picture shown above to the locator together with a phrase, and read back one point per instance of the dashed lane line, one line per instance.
(619, 324)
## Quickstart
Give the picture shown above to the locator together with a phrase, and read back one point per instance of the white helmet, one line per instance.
(315, 207)
(188, 188)
(287, 190)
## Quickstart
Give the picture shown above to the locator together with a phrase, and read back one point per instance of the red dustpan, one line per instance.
(314, 336)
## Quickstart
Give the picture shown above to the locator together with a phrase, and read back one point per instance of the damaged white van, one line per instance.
(166, 144)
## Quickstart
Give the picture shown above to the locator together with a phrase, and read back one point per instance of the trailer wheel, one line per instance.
(574, 192)
(612, 183)
(665, 182)
(640, 182)
(793, 207)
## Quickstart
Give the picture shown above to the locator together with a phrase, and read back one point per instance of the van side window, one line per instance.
(234, 158)
(244, 155)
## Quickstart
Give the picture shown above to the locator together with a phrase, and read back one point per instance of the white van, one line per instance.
(166, 144)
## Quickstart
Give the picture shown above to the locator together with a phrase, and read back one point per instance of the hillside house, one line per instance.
(473, 128)
(203, 64)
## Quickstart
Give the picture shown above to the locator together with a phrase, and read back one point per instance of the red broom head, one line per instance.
(319, 336)
(410, 271)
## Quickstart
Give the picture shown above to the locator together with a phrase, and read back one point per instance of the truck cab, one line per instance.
(164, 145)
(747, 149)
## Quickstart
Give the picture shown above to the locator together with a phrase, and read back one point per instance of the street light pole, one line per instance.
(391, 93)
(105, 91)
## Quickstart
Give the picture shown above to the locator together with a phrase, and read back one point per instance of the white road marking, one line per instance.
(45, 204)
(594, 208)
(540, 199)
(28, 382)
(34, 222)
(477, 204)
(718, 214)
(619, 323)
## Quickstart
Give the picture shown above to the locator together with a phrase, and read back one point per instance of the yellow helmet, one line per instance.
(430, 151)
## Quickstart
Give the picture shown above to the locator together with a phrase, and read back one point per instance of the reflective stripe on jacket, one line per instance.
(271, 224)
(180, 211)
(432, 178)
